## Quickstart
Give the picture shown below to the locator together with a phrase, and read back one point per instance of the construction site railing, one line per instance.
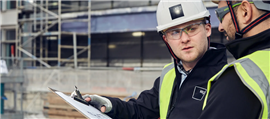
(12, 83)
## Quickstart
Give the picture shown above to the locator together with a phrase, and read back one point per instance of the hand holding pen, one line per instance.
(78, 97)
(101, 103)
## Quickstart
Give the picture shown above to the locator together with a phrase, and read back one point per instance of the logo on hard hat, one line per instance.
(176, 11)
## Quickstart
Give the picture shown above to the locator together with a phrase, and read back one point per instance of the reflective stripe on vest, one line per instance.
(165, 89)
(253, 70)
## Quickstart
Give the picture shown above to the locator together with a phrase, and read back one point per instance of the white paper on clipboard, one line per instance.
(88, 111)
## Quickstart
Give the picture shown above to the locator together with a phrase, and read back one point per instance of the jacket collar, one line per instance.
(213, 56)
(244, 46)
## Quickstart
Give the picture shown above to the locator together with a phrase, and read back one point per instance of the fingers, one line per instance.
(103, 109)
(101, 103)
(88, 99)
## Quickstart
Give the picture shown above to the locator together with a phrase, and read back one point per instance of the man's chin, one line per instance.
(230, 38)
(189, 59)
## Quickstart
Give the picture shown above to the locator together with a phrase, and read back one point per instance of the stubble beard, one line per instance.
(231, 31)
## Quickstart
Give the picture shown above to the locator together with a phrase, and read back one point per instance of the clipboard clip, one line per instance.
(78, 97)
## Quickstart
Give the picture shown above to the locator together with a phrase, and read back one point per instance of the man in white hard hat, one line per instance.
(179, 91)
(241, 89)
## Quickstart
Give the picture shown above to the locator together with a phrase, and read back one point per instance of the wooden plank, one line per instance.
(121, 96)
(61, 112)
(63, 117)
(56, 108)
(56, 101)
(64, 107)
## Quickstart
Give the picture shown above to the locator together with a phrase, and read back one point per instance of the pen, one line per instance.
(79, 97)
(78, 92)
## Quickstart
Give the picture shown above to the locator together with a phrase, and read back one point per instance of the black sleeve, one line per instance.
(146, 106)
(229, 98)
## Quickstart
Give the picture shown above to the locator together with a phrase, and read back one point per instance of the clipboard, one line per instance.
(89, 112)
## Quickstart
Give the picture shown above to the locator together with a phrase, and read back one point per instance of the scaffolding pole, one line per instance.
(89, 32)
(20, 40)
(80, 52)
(46, 27)
(17, 33)
(59, 33)
(35, 16)
(17, 40)
(46, 10)
(34, 57)
(46, 16)
(38, 34)
(41, 38)
(35, 49)
(1, 44)
(75, 49)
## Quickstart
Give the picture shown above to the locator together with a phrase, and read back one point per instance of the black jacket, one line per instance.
(229, 98)
(185, 103)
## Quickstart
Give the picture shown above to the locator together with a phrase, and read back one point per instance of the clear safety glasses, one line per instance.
(190, 30)
(221, 12)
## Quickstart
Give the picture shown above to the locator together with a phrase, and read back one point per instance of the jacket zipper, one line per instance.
(176, 94)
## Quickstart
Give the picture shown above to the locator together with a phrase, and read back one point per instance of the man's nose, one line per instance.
(220, 28)
(184, 37)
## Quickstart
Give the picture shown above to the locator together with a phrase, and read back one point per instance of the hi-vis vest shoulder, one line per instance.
(253, 70)
(165, 89)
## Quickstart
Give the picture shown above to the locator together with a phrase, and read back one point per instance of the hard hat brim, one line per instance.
(215, 1)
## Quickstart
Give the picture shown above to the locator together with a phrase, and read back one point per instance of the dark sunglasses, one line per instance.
(221, 12)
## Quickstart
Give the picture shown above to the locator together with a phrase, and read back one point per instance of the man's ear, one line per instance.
(245, 11)
(208, 29)
(164, 38)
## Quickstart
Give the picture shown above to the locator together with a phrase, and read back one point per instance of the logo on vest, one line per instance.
(198, 93)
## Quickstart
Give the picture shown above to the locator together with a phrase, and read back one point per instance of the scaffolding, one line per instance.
(31, 25)
(34, 32)
(47, 21)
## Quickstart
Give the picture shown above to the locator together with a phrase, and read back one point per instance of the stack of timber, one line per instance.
(56, 108)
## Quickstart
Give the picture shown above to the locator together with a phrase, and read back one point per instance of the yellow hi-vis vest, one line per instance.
(254, 72)
(165, 89)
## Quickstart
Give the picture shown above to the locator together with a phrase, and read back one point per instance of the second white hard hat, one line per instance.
(260, 4)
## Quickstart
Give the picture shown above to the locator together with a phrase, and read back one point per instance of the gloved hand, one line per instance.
(101, 103)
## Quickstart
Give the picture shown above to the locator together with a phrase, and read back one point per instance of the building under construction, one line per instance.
(48, 43)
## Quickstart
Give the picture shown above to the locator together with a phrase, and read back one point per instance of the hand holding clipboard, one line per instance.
(87, 110)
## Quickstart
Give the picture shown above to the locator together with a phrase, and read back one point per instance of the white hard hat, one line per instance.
(215, 1)
(260, 4)
(174, 12)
